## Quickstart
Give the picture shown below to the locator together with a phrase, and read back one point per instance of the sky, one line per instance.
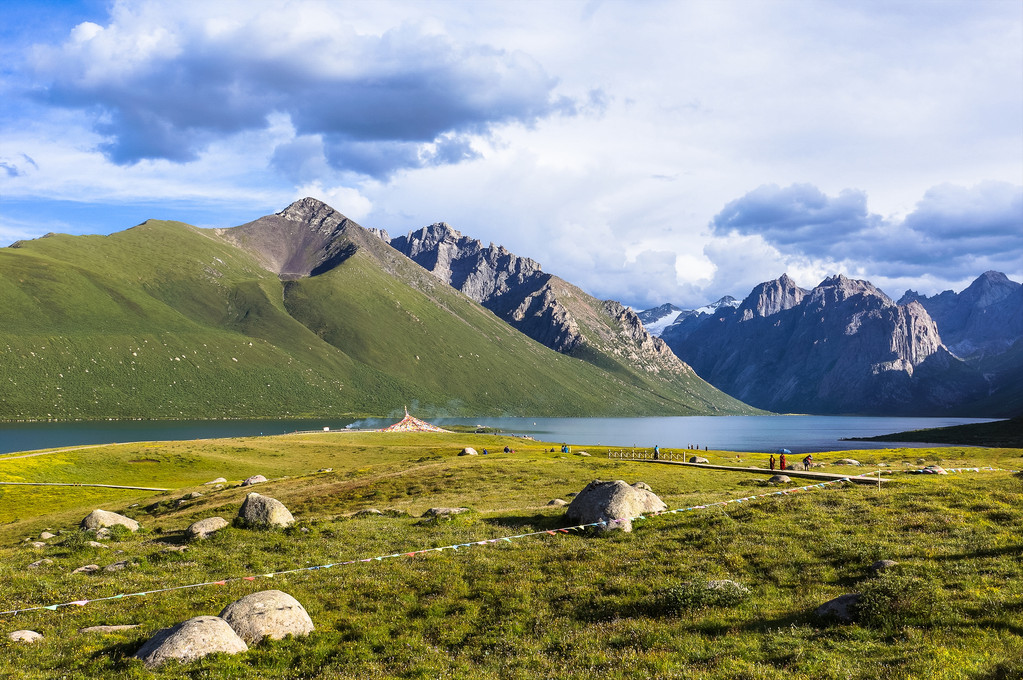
(648, 151)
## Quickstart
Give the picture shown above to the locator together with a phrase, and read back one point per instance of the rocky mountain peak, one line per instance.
(988, 288)
(771, 297)
(838, 288)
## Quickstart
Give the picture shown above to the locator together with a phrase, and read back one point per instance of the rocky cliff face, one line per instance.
(842, 347)
(982, 321)
(541, 305)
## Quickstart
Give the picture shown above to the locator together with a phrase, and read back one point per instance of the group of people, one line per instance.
(783, 465)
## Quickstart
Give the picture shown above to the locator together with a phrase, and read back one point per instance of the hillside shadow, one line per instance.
(1011, 550)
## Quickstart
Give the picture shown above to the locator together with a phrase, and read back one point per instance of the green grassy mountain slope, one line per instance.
(166, 320)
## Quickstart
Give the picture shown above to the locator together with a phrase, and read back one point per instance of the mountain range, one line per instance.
(845, 347)
(306, 313)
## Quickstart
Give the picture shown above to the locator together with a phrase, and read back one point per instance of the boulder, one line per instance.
(97, 544)
(468, 451)
(881, 566)
(259, 510)
(698, 459)
(191, 640)
(87, 569)
(268, 613)
(101, 519)
(40, 563)
(780, 479)
(204, 527)
(842, 607)
(254, 479)
(847, 461)
(37, 544)
(46, 535)
(558, 502)
(218, 480)
(28, 636)
(584, 454)
(608, 501)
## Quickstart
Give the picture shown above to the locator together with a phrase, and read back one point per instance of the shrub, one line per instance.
(691, 596)
(894, 601)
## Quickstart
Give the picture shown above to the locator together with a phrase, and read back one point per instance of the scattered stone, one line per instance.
(194, 495)
(27, 636)
(254, 479)
(191, 640)
(304, 530)
(642, 485)
(780, 479)
(268, 613)
(87, 569)
(108, 629)
(101, 519)
(218, 480)
(583, 454)
(40, 563)
(204, 527)
(842, 607)
(46, 535)
(368, 512)
(103, 534)
(117, 566)
(611, 501)
(468, 451)
(444, 512)
(847, 461)
(325, 470)
(97, 544)
(698, 459)
(557, 502)
(37, 544)
(265, 511)
(882, 566)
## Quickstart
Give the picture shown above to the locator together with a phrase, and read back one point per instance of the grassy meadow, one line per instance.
(554, 606)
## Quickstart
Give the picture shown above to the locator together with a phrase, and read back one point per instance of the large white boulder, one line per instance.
(268, 613)
(254, 479)
(190, 640)
(100, 519)
(260, 510)
(204, 527)
(609, 501)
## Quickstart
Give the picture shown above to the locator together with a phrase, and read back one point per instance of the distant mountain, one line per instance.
(843, 347)
(552, 311)
(300, 313)
(984, 320)
(656, 320)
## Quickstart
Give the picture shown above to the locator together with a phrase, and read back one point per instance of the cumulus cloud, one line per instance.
(164, 87)
(961, 231)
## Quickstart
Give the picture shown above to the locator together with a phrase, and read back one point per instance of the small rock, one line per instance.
(46, 535)
(97, 544)
(40, 563)
(265, 511)
(108, 629)
(27, 636)
(191, 640)
(881, 566)
(583, 454)
(444, 512)
(558, 502)
(268, 613)
(698, 459)
(325, 470)
(116, 566)
(87, 569)
(205, 527)
(304, 530)
(468, 451)
(847, 461)
(218, 480)
(101, 519)
(194, 495)
(254, 479)
(103, 533)
(841, 608)
(37, 544)
(780, 479)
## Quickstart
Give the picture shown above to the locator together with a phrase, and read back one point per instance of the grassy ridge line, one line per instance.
(1003, 433)
(565, 606)
(167, 321)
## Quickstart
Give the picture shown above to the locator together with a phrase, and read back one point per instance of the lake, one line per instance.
(799, 434)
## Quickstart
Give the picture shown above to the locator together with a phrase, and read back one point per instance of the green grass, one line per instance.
(570, 605)
(165, 320)
(998, 433)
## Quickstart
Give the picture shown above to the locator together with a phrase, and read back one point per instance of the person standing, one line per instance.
(772, 461)
(781, 461)
(657, 452)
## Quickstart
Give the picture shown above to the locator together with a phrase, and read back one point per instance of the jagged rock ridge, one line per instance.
(842, 347)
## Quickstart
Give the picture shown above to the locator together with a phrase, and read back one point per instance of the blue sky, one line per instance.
(646, 151)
